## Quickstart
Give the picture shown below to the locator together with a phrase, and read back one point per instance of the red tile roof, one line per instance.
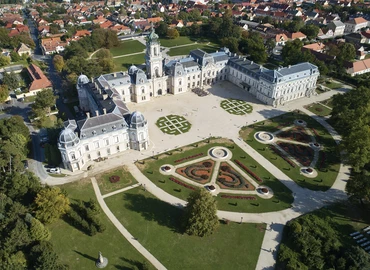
(39, 80)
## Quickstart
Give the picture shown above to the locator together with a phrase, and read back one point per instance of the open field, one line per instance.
(79, 250)
(157, 225)
(166, 42)
(123, 63)
(105, 186)
(127, 47)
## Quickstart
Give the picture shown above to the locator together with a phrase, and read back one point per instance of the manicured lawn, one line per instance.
(235, 106)
(123, 63)
(79, 250)
(328, 102)
(333, 85)
(318, 109)
(185, 50)
(329, 166)
(282, 195)
(30, 99)
(127, 47)
(157, 225)
(173, 124)
(166, 42)
(126, 179)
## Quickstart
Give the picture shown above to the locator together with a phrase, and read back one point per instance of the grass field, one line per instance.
(318, 109)
(127, 47)
(79, 250)
(333, 85)
(282, 195)
(123, 63)
(166, 42)
(157, 225)
(326, 175)
(105, 186)
(185, 50)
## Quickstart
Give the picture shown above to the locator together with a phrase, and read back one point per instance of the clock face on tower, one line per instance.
(179, 73)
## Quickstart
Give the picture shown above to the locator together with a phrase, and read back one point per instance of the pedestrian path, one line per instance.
(120, 190)
(133, 241)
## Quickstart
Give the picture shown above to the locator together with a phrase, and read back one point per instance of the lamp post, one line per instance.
(241, 220)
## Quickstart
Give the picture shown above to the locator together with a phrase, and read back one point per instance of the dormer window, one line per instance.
(83, 135)
(104, 129)
(114, 127)
(94, 132)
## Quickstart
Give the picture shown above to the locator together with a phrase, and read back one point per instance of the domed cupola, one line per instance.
(132, 70)
(137, 120)
(82, 79)
(68, 138)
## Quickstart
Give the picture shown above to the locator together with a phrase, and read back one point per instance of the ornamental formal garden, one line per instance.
(236, 106)
(300, 146)
(220, 163)
(173, 124)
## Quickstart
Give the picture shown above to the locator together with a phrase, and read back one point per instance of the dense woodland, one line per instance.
(25, 205)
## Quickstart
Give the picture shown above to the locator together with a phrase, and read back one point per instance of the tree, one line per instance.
(172, 33)
(347, 52)
(311, 31)
(11, 80)
(14, 56)
(253, 45)
(4, 61)
(58, 62)
(43, 102)
(359, 185)
(50, 204)
(161, 29)
(4, 93)
(231, 43)
(44, 257)
(38, 231)
(200, 213)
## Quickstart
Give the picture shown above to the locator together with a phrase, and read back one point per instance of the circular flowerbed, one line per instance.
(309, 170)
(219, 153)
(316, 146)
(264, 190)
(166, 168)
(264, 137)
(300, 122)
(114, 179)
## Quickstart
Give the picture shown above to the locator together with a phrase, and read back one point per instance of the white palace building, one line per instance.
(108, 127)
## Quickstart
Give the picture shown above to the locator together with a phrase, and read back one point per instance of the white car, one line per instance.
(54, 170)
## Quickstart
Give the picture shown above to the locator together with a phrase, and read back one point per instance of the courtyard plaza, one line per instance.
(209, 119)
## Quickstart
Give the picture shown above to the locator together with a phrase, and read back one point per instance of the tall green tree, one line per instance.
(58, 62)
(43, 102)
(11, 80)
(4, 93)
(359, 185)
(201, 214)
(50, 204)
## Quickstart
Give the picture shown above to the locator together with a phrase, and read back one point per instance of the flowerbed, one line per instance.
(190, 157)
(199, 172)
(322, 161)
(248, 171)
(238, 197)
(296, 134)
(291, 163)
(114, 179)
(181, 183)
(229, 178)
(303, 154)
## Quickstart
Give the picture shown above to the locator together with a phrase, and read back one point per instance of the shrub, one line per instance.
(207, 164)
(204, 176)
(225, 168)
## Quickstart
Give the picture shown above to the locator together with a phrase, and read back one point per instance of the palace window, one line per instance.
(116, 140)
(87, 147)
(96, 145)
(106, 141)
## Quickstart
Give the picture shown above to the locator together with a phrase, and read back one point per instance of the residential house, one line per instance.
(121, 29)
(43, 30)
(38, 79)
(356, 38)
(296, 35)
(23, 49)
(358, 67)
(60, 23)
(337, 27)
(52, 45)
(80, 34)
(355, 25)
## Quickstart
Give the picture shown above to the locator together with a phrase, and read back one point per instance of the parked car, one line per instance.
(54, 170)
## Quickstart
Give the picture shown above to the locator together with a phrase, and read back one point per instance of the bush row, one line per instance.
(238, 197)
(248, 171)
(83, 216)
(181, 183)
(190, 157)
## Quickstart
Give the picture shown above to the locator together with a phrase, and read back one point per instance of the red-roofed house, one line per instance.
(358, 67)
(80, 34)
(52, 45)
(38, 78)
(355, 25)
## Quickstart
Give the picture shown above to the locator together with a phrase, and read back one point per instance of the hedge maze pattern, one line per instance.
(173, 124)
(235, 106)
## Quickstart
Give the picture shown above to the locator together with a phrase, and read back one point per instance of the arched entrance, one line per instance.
(159, 92)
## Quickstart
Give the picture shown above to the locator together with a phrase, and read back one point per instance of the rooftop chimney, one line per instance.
(114, 74)
(97, 113)
(105, 96)
(88, 114)
(104, 110)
